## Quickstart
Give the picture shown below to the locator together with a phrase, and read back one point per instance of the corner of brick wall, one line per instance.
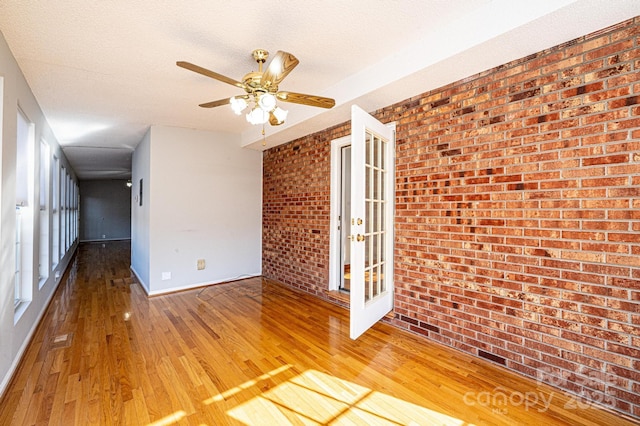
(517, 215)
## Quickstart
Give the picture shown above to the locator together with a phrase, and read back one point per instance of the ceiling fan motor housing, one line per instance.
(252, 81)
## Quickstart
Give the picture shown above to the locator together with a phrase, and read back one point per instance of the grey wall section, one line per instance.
(105, 210)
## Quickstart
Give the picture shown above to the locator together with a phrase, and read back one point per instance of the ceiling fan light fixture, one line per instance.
(267, 102)
(257, 116)
(237, 104)
(280, 114)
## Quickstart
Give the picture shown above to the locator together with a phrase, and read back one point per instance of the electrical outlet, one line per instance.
(201, 264)
(166, 276)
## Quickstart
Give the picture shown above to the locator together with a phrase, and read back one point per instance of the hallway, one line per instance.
(250, 352)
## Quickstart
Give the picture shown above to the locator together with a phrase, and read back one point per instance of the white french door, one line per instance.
(372, 195)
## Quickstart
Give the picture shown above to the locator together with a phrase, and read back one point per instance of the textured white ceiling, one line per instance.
(104, 71)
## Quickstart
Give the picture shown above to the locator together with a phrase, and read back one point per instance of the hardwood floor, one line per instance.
(251, 352)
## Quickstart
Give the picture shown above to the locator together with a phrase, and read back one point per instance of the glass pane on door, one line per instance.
(374, 175)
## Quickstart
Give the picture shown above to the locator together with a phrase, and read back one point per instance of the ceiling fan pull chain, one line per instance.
(264, 140)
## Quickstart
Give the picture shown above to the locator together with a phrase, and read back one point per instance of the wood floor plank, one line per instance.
(251, 352)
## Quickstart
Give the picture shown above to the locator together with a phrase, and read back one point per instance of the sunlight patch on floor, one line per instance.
(169, 420)
(316, 398)
(229, 393)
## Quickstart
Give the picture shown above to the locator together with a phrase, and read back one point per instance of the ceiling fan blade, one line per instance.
(279, 67)
(219, 102)
(311, 100)
(209, 73)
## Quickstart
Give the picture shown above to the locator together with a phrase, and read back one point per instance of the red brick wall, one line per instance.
(517, 215)
(295, 211)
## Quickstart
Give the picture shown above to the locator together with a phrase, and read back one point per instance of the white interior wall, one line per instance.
(204, 200)
(140, 249)
(15, 332)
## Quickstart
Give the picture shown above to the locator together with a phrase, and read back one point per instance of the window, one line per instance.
(23, 154)
(55, 212)
(43, 264)
(76, 217)
(63, 211)
(68, 213)
(24, 238)
(44, 174)
(17, 291)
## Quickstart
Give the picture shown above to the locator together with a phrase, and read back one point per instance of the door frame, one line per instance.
(334, 211)
(335, 202)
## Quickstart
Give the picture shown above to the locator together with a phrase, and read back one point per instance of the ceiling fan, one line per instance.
(261, 89)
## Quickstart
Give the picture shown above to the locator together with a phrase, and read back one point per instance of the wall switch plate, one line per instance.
(201, 264)
(166, 276)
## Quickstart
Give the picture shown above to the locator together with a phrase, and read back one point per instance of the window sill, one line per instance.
(42, 282)
(20, 309)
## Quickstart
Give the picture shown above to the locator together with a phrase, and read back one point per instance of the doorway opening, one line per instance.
(340, 252)
(345, 214)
